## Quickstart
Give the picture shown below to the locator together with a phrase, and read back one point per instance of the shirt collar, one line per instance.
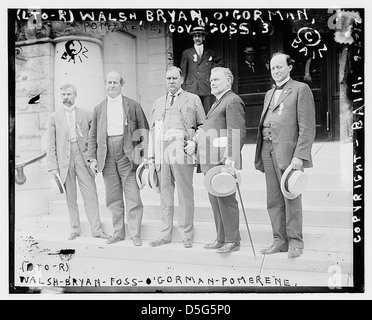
(218, 97)
(114, 100)
(284, 81)
(177, 93)
(69, 109)
(199, 47)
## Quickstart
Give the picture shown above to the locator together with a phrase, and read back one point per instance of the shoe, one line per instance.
(271, 250)
(113, 239)
(158, 242)
(137, 241)
(229, 247)
(295, 252)
(73, 236)
(214, 245)
(102, 235)
(187, 243)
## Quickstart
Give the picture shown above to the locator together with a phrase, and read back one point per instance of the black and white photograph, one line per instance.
(194, 150)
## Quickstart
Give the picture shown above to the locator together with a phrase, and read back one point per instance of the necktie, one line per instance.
(172, 99)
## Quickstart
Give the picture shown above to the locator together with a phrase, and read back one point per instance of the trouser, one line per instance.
(118, 178)
(78, 170)
(285, 214)
(226, 217)
(177, 168)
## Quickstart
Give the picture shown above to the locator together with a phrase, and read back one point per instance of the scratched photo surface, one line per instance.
(51, 47)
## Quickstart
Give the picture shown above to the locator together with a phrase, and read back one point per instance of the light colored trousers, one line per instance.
(78, 170)
(118, 178)
(285, 214)
(177, 169)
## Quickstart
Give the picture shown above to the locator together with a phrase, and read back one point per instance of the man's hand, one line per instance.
(230, 164)
(297, 163)
(93, 167)
(190, 147)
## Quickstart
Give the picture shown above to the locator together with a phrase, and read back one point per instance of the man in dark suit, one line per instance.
(196, 65)
(118, 135)
(67, 152)
(285, 136)
(219, 141)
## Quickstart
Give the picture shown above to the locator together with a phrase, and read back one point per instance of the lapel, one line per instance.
(103, 119)
(181, 100)
(267, 103)
(217, 103)
(62, 120)
(286, 91)
(125, 112)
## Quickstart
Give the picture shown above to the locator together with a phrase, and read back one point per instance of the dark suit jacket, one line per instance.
(58, 139)
(135, 141)
(197, 70)
(293, 129)
(226, 120)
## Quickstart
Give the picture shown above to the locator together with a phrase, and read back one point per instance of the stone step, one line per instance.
(323, 249)
(315, 238)
(317, 216)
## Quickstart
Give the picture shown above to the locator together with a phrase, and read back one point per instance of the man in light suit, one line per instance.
(285, 136)
(67, 148)
(219, 141)
(117, 140)
(174, 119)
(196, 65)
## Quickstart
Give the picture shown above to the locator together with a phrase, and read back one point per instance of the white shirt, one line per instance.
(199, 49)
(115, 116)
(70, 117)
(278, 92)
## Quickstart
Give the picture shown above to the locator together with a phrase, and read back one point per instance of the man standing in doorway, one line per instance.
(196, 65)
(285, 136)
(118, 135)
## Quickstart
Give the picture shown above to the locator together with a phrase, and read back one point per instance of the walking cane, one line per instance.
(245, 217)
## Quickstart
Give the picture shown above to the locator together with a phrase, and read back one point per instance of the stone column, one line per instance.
(78, 60)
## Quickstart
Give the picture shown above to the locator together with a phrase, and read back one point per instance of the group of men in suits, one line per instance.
(181, 125)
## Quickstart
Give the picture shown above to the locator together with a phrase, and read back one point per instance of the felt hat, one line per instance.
(293, 182)
(142, 175)
(220, 182)
(57, 184)
(198, 29)
(153, 180)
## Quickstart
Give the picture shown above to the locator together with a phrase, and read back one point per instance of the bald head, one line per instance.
(114, 84)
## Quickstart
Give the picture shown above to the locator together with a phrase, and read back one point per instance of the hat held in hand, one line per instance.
(293, 182)
(142, 175)
(220, 182)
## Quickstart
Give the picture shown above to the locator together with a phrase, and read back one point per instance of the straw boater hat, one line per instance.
(198, 29)
(293, 182)
(142, 175)
(57, 184)
(220, 182)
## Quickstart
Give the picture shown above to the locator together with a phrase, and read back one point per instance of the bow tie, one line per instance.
(276, 87)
